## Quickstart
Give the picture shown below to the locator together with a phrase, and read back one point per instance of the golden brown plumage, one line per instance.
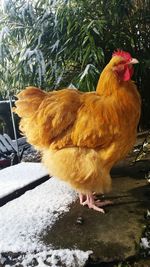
(82, 135)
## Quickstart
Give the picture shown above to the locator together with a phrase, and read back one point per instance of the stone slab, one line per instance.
(114, 235)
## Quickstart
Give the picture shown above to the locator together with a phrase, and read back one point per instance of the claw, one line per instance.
(103, 203)
(92, 204)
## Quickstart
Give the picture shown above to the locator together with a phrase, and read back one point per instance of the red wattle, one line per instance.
(127, 74)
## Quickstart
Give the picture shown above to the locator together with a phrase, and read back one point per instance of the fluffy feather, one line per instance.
(82, 135)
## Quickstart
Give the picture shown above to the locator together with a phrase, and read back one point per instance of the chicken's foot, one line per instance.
(91, 203)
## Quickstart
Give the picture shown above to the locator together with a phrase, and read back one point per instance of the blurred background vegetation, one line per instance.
(59, 43)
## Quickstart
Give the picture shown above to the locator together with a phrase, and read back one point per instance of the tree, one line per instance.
(56, 43)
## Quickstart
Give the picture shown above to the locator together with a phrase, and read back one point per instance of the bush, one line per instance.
(53, 44)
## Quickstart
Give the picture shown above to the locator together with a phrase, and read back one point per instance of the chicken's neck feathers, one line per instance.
(109, 83)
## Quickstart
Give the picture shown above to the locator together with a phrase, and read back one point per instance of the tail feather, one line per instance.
(28, 101)
(47, 116)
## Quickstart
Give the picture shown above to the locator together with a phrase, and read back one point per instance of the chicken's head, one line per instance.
(122, 64)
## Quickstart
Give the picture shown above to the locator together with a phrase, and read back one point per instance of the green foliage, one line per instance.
(55, 43)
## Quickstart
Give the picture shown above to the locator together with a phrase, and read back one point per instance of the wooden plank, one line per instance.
(9, 140)
(6, 144)
(3, 148)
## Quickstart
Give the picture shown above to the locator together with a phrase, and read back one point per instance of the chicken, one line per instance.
(82, 135)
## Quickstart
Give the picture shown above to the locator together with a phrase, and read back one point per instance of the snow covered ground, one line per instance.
(24, 220)
(17, 176)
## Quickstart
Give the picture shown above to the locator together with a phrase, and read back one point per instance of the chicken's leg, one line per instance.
(91, 203)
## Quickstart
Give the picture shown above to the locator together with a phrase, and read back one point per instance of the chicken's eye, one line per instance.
(119, 67)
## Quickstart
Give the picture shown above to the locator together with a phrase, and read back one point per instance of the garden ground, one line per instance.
(46, 226)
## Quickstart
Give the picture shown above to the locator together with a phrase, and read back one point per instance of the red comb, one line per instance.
(123, 54)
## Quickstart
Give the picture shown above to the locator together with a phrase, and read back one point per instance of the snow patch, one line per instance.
(20, 175)
(145, 243)
(4, 33)
(24, 220)
(53, 258)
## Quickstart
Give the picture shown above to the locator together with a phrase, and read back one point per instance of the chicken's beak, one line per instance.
(134, 61)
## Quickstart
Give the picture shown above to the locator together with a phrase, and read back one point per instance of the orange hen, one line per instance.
(82, 135)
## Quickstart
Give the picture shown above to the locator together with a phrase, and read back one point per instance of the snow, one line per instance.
(59, 258)
(33, 57)
(55, 46)
(33, 212)
(4, 101)
(20, 175)
(4, 33)
(24, 220)
(85, 72)
(72, 86)
(4, 5)
(145, 243)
